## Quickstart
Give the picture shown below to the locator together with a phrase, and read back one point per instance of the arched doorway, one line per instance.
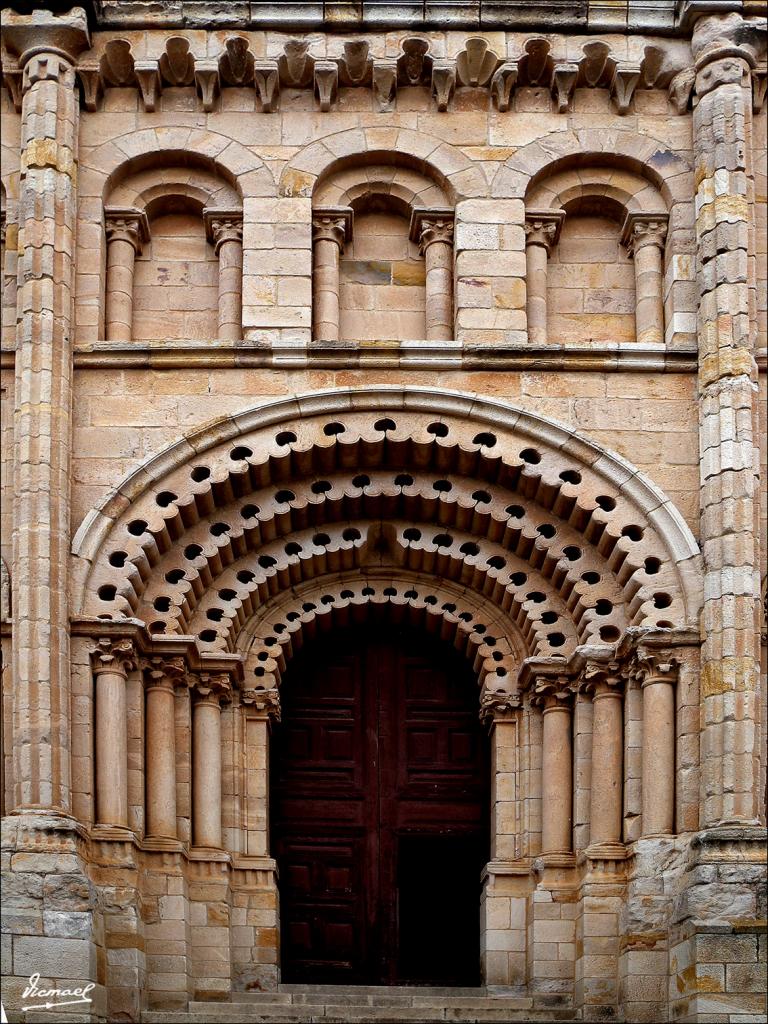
(379, 811)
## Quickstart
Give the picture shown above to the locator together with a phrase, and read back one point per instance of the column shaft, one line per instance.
(206, 773)
(326, 289)
(649, 302)
(111, 770)
(658, 783)
(230, 289)
(536, 257)
(607, 767)
(438, 257)
(729, 494)
(43, 423)
(121, 255)
(160, 761)
(557, 780)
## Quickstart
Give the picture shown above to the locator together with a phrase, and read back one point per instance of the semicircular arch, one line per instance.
(473, 625)
(453, 171)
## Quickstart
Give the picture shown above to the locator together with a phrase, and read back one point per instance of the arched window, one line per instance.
(383, 256)
(174, 258)
(595, 246)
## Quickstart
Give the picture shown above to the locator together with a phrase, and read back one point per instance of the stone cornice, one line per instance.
(658, 16)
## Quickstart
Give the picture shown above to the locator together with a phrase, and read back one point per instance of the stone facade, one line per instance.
(455, 310)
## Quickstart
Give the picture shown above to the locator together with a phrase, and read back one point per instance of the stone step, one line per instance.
(245, 1013)
(372, 990)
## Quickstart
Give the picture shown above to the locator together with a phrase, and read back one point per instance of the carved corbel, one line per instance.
(385, 84)
(266, 78)
(681, 88)
(264, 701)
(623, 85)
(91, 84)
(563, 83)
(12, 81)
(148, 76)
(443, 82)
(207, 82)
(326, 83)
(502, 84)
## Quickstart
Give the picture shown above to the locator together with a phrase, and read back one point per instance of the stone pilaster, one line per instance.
(47, 46)
(724, 52)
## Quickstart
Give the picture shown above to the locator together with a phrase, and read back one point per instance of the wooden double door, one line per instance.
(379, 812)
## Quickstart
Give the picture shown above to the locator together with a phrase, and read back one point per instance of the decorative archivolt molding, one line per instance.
(474, 626)
(569, 541)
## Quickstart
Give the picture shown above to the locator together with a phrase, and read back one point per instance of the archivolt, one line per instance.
(473, 625)
(569, 542)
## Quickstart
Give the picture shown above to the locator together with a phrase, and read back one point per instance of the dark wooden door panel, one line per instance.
(379, 772)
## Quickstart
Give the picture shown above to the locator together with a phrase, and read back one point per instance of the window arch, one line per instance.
(383, 255)
(584, 230)
(174, 257)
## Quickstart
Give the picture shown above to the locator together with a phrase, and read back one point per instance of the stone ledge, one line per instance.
(624, 357)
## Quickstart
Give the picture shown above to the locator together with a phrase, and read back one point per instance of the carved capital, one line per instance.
(108, 655)
(497, 705)
(641, 229)
(725, 48)
(265, 701)
(223, 226)
(430, 226)
(332, 224)
(126, 224)
(601, 678)
(543, 228)
(164, 673)
(552, 692)
(651, 665)
(211, 688)
(44, 32)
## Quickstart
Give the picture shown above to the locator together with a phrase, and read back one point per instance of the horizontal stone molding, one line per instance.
(622, 357)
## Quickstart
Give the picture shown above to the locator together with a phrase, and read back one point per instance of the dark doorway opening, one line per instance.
(380, 811)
